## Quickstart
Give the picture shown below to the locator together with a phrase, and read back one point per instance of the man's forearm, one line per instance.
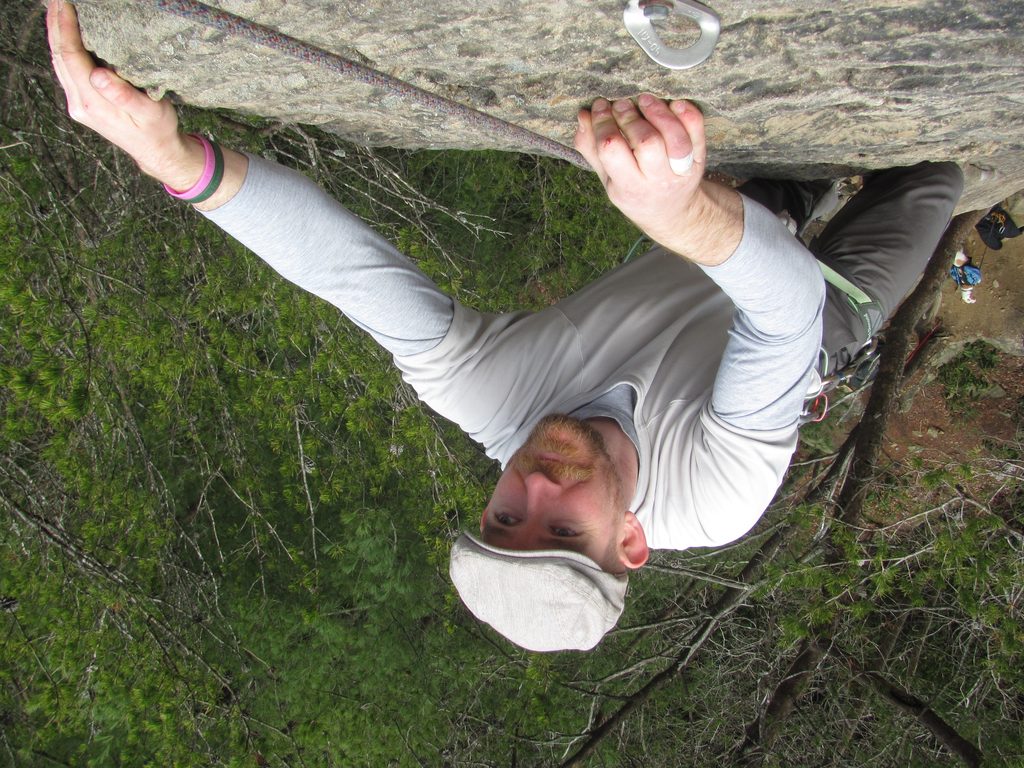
(712, 228)
(778, 291)
(311, 240)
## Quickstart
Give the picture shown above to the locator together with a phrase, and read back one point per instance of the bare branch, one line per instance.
(305, 485)
(764, 729)
(907, 702)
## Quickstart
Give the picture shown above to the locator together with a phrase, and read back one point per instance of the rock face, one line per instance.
(793, 89)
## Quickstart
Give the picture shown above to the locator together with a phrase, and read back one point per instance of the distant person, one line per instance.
(658, 407)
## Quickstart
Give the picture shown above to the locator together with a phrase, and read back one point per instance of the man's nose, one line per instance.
(540, 489)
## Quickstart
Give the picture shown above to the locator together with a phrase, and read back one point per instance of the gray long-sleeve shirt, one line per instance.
(720, 357)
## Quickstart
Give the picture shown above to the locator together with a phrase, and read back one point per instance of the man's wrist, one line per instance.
(182, 163)
(712, 228)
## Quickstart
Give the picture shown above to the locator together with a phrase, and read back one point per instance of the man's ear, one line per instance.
(633, 550)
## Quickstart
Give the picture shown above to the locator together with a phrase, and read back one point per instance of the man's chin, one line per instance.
(563, 438)
(555, 469)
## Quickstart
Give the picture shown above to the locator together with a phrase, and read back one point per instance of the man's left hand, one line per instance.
(651, 163)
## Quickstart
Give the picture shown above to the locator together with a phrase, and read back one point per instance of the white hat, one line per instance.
(541, 600)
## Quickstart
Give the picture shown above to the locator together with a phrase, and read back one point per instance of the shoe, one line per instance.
(824, 206)
(827, 203)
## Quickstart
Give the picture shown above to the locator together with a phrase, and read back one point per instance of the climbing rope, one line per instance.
(270, 38)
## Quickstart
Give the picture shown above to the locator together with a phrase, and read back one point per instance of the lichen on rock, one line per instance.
(792, 90)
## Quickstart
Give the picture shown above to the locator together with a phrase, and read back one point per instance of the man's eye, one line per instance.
(505, 519)
(564, 532)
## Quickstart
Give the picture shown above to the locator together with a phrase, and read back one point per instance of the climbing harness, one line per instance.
(860, 371)
(639, 18)
(867, 309)
(855, 375)
(270, 38)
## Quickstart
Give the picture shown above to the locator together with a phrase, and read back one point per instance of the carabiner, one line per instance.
(638, 16)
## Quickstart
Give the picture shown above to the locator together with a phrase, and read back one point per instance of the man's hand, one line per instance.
(651, 162)
(125, 116)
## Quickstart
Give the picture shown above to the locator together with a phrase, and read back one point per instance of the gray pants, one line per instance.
(880, 240)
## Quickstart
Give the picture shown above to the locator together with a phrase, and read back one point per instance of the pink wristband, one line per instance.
(209, 163)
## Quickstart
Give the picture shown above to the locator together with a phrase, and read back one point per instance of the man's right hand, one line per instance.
(125, 116)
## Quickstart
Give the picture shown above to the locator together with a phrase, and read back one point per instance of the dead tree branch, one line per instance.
(907, 702)
(731, 599)
(761, 733)
(891, 635)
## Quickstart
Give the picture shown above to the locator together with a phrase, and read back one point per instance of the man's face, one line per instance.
(559, 491)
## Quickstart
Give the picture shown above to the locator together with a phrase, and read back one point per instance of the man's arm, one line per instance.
(280, 215)
(313, 241)
(773, 344)
(641, 157)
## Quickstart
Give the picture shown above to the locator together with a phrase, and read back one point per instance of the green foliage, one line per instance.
(965, 378)
(216, 477)
(226, 521)
(819, 438)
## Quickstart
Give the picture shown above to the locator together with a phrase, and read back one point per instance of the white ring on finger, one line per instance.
(681, 165)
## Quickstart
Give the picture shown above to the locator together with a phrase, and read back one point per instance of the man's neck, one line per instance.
(622, 451)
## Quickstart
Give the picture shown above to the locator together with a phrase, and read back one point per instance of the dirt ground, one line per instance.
(937, 431)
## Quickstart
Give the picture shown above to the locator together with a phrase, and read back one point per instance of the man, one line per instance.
(658, 407)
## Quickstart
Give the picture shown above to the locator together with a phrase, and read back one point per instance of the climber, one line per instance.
(656, 408)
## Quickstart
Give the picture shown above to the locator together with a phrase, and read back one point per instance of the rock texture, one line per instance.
(793, 89)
